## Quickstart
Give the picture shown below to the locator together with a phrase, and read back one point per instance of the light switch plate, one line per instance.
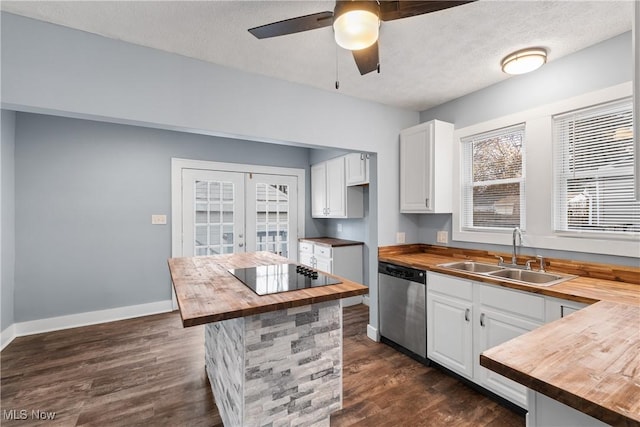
(442, 236)
(158, 219)
(400, 237)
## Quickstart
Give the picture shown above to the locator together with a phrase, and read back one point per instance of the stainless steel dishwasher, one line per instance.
(402, 306)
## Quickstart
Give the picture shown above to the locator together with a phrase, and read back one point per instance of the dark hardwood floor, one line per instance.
(150, 371)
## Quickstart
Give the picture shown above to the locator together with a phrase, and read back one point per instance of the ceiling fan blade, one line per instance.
(293, 25)
(397, 9)
(367, 59)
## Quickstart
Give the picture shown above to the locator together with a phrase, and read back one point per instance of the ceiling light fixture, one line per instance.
(356, 24)
(524, 61)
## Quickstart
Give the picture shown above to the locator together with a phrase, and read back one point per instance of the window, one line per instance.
(593, 165)
(493, 177)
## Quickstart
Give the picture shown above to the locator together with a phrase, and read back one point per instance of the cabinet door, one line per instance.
(318, 190)
(306, 259)
(323, 264)
(494, 328)
(450, 333)
(416, 169)
(356, 165)
(336, 188)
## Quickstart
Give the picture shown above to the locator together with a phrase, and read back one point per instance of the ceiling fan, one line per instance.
(356, 24)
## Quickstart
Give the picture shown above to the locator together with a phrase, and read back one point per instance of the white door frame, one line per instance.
(177, 165)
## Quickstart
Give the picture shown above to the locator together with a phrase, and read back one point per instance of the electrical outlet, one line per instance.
(158, 219)
(339, 228)
(442, 236)
(400, 237)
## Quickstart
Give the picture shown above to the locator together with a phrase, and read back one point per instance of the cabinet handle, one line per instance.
(426, 202)
(361, 156)
(466, 314)
(482, 320)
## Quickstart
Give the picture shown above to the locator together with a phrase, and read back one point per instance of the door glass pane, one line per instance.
(201, 190)
(214, 217)
(201, 213)
(214, 191)
(271, 215)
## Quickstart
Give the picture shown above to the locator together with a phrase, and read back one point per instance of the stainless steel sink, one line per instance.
(529, 277)
(472, 266)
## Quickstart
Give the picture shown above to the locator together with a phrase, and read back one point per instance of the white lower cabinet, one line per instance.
(504, 314)
(545, 411)
(343, 261)
(449, 327)
(464, 318)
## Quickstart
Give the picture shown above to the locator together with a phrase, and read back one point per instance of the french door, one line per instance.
(229, 212)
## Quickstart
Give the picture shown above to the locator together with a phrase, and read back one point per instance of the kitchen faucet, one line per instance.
(516, 232)
(514, 264)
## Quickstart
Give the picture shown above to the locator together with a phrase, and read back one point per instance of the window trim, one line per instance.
(539, 180)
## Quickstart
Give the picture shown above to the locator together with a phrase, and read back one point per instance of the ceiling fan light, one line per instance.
(524, 61)
(356, 29)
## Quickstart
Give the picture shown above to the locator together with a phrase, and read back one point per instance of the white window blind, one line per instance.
(593, 170)
(493, 177)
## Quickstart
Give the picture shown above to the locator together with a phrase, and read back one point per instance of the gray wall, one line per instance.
(51, 69)
(599, 66)
(85, 192)
(55, 70)
(7, 203)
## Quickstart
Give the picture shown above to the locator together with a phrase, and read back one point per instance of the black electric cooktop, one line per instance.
(273, 279)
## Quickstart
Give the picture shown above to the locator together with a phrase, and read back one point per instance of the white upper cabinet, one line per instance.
(357, 168)
(319, 190)
(330, 196)
(426, 168)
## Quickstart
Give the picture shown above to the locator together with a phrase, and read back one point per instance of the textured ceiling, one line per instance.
(425, 60)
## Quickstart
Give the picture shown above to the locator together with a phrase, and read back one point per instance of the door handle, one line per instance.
(482, 320)
(240, 245)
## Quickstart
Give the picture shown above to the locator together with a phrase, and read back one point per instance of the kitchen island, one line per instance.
(271, 359)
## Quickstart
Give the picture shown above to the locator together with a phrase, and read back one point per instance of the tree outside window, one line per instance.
(493, 175)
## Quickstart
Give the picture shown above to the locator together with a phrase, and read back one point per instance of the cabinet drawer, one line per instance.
(449, 285)
(323, 251)
(519, 303)
(306, 247)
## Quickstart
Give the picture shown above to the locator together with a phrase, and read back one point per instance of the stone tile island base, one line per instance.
(281, 368)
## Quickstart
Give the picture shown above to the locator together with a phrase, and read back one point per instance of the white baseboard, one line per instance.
(83, 319)
(372, 333)
(7, 336)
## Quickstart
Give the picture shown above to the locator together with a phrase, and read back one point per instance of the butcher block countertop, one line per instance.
(582, 289)
(589, 360)
(207, 292)
(331, 241)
